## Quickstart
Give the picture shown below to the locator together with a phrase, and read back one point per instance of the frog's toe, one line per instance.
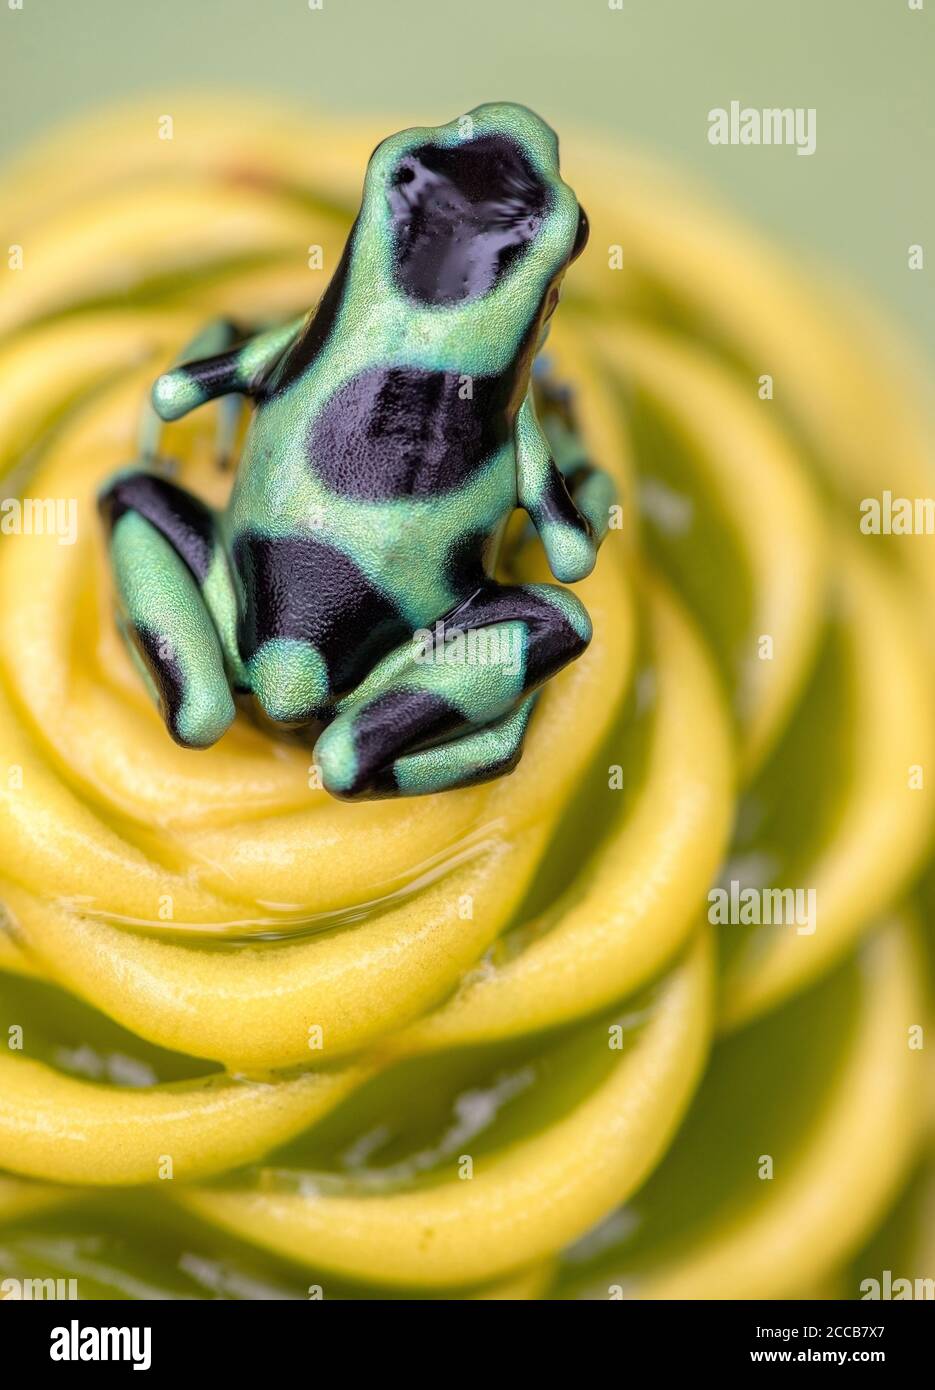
(336, 759)
(194, 700)
(162, 612)
(356, 751)
(572, 552)
(204, 711)
(289, 679)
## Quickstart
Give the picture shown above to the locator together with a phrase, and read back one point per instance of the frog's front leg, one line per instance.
(217, 336)
(450, 708)
(570, 509)
(176, 602)
(240, 368)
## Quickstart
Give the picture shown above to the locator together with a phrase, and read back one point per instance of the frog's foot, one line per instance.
(476, 757)
(591, 489)
(216, 340)
(450, 707)
(289, 680)
(175, 600)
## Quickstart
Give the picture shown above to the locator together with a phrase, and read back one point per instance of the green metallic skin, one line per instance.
(347, 588)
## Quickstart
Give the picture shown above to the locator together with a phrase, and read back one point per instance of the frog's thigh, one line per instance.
(312, 623)
(161, 551)
(512, 640)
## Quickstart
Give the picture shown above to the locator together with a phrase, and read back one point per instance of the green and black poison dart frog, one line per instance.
(393, 435)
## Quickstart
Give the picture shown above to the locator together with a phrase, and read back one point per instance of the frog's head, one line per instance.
(477, 210)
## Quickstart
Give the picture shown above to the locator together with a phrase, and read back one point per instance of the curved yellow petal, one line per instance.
(64, 1130)
(522, 1202)
(649, 876)
(883, 823)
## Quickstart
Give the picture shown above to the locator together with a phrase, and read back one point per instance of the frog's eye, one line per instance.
(581, 235)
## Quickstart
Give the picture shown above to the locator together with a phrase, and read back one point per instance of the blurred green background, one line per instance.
(646, 74)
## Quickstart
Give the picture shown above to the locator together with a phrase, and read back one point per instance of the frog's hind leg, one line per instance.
(176, 602)
(490, 752)
(450, 709)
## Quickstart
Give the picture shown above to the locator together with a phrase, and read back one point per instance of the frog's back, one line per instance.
(405, 383)
(387, 431)
(394, 453)
(406, 432)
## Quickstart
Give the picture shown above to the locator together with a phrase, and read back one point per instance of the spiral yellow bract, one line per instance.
(489, 1043)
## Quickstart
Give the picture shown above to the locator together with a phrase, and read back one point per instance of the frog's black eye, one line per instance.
(581, 235)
